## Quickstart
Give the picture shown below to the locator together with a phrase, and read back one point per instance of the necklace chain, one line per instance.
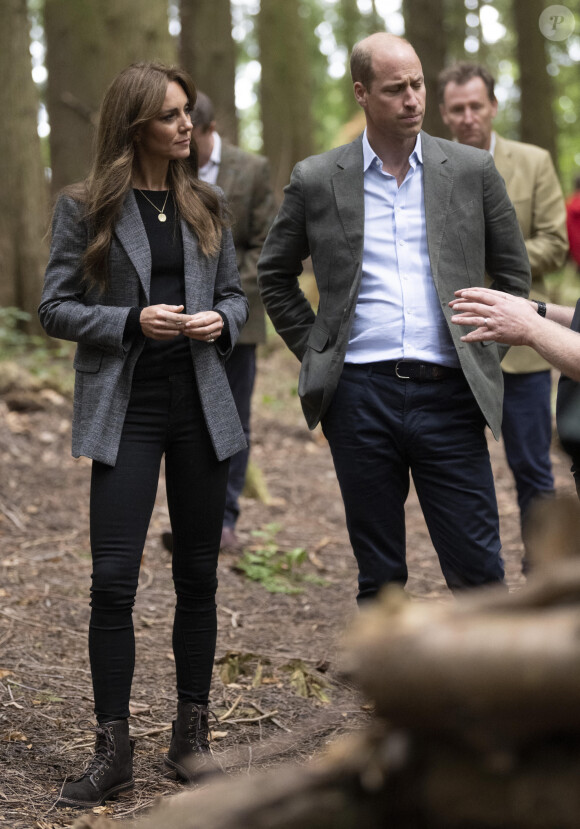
(162, 217)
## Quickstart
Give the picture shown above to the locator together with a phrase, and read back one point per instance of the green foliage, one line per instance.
(46, 361)
(273, 568)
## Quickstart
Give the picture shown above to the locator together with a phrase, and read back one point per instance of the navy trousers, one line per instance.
(527, 435)
(241, 372)
(379, 429)
(164, 418)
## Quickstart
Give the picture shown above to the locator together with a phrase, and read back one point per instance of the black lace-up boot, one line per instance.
(109, 771)
(189, 753)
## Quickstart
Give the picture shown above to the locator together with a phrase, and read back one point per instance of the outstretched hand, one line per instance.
(497, 316)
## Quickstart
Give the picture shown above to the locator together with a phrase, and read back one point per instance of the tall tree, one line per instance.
(424, 28)
(207, 50)
(284, 87)
(537, 124)
(88, 43)
(24, 193)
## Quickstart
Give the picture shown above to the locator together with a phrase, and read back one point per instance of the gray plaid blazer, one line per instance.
(105, 358)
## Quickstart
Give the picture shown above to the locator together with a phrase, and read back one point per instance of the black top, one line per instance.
(162, 358)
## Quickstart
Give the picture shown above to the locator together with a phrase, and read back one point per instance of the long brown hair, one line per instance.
(133, 99)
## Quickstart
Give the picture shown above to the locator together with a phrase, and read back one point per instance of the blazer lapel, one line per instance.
(348, 185)
(502, 159)
(228, 170)
(438, 183)
(131, 233)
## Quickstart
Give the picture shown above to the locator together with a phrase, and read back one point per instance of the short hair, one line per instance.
(462, 72)
(203, 113)
(361, 65)
(361, 58)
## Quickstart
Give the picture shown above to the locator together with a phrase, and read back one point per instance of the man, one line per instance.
(245, 179)
(395, 222)
(468, 106)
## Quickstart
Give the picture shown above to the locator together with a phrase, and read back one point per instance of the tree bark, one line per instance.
(284, 88)
(424, 28)
(207, 50)
(536, 94)
(88, 43)
(24, 192)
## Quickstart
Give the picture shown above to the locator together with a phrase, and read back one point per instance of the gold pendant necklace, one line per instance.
(162, 217)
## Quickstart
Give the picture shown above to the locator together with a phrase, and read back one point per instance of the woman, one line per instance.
(142, 275)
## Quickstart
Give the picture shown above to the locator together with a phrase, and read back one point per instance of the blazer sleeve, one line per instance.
(229, 299)
(261, 213)
(506, 260)
(280, 265)
(69, 310)
(547, 244)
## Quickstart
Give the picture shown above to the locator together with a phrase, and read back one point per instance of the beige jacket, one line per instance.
(533, 187)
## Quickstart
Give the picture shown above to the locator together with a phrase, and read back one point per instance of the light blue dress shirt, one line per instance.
(210, 170)
(398, 314)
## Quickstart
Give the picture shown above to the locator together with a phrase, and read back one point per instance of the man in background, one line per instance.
(468, 106)
(245, 179)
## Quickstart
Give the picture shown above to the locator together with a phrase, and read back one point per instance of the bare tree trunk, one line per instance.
(88, 43)
(24, 192)
(536, 93)
(284, 87)
(351, 29)
(454, 26)
(424, 28)
(207, 51)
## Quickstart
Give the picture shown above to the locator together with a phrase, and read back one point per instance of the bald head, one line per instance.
(364, 52)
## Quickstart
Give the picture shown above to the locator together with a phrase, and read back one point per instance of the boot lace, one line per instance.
(198, 727)
(104, 752)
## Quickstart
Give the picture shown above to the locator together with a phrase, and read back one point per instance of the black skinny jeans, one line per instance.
(164, 417)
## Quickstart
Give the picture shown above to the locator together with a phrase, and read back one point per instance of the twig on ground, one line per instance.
(276, 722)
(235, 614)
(230, 710)
(267, 716)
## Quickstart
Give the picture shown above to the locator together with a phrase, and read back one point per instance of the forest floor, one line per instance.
(278, 691)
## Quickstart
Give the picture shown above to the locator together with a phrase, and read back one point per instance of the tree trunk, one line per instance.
(536, 93)
(207, 51)
(24, 192)
(88, 43)
(350, 30)
(424, 28)
(284, 88)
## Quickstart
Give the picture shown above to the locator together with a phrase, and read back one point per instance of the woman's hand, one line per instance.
(206, 326)
(163, 322)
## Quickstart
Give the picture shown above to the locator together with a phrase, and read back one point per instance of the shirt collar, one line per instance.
(369, 155)
(492, 144)
(216, 153)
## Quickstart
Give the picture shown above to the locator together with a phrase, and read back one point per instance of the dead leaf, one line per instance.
(14, 737)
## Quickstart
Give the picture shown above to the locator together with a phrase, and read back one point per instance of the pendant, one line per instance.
(162, 217)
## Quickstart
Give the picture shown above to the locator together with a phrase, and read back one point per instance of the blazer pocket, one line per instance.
(318, 338)
(87, 359)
